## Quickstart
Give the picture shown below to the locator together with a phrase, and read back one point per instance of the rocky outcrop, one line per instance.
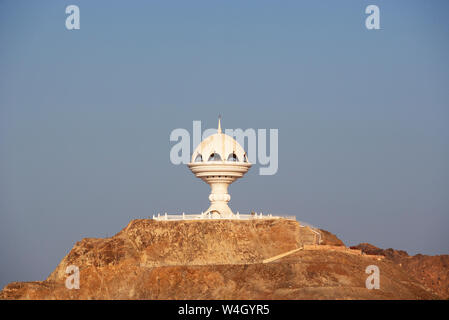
(218, 259)
(430, 271)
(330, 239)
(149, 243)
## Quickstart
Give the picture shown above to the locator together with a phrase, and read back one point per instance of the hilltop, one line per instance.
(231, 259)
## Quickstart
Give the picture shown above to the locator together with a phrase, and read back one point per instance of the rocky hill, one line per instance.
(227, 259)
(430, 271)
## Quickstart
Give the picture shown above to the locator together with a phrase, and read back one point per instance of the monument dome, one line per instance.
(219, 160)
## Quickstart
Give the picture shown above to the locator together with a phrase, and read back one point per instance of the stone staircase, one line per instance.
(308, 236)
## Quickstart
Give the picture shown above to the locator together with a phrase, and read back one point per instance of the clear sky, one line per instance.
(85, 117)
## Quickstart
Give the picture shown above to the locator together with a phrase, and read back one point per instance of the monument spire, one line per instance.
(219, 124)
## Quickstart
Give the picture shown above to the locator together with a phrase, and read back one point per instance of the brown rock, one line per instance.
(330, 239)
(217, 260)
(430, 271)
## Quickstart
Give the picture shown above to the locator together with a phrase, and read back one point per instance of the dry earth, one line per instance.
(223, 260)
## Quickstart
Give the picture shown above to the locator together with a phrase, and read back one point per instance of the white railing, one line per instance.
(174, 217)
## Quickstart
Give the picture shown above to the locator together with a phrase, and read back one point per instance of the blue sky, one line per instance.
(85, 117)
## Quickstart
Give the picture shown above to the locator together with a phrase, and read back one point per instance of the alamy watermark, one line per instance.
(372, 22)
(73, 280)
(259, 150)
(373, 280)
(72, 22)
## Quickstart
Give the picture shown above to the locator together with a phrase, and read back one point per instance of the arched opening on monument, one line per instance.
(214, 157)
(214, 214)
(199, 158)
(233, 157)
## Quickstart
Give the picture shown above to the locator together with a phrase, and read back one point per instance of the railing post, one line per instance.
(166, 216)
(183, 216)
